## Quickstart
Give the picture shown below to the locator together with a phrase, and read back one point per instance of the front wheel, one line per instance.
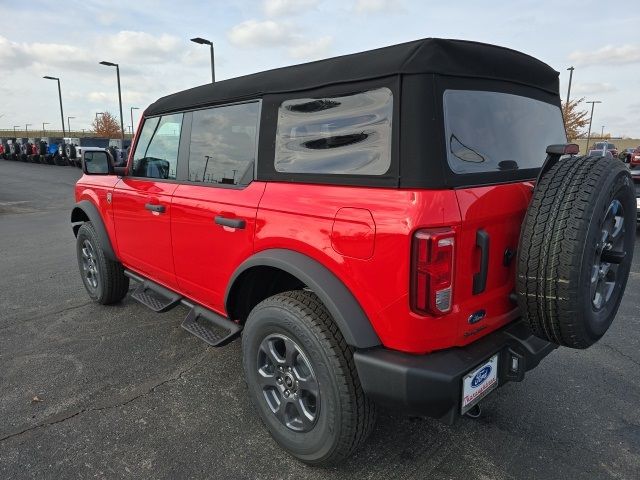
(303, 381)
(103, 279)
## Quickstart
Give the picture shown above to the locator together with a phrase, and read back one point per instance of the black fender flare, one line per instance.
(342, 305)
(92, 213)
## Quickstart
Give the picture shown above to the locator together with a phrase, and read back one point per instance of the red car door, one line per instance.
(142, 201)
(213, 213)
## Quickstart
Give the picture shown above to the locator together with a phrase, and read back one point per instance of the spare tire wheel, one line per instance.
(576, 248)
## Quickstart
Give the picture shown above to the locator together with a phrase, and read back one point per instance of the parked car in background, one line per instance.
(605, 145)
(625, 155)
(601, 153)
(634, 161)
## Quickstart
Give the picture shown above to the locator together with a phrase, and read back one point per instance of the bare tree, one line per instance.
(106, 125)
(575, 119)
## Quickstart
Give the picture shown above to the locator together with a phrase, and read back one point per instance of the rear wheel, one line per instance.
(103, 279)
(303, 381)
(576, 248)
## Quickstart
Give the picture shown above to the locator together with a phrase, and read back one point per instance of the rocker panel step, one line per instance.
(154, 296)
(210, 327)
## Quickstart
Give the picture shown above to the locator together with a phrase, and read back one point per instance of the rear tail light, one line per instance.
(432, 271)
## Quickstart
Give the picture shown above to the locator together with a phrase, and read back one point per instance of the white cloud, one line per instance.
(592, 88)
(375, 6)
(266, 33)
(140, 47)
(122, 47)
(608, 55)
(311, 50)
(278, 8)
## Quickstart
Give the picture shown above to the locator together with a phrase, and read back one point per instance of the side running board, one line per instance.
(152, 295)
(208, 326)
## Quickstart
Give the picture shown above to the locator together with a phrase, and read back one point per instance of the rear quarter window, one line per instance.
(491, 131)
(350, 134)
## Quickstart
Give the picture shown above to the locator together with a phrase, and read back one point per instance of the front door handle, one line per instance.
(154, 207)
(230, 222)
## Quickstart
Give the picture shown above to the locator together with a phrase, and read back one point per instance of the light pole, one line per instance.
(571, 69)
(204, 41)
(60, 97)
(14, 129)
(110, 64)
(131, 111)
(26, 128)
(44, 129)
(99, 113)
(593, 103)
(602, 132)
(69, 123)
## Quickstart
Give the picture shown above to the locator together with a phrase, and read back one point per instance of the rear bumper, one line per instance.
(431, 384)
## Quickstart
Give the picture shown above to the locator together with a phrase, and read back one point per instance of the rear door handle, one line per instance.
(154, 207)
(480, 278)
(230, 222)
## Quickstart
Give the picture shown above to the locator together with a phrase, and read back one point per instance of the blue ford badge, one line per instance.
(481, 376)
(475, 317)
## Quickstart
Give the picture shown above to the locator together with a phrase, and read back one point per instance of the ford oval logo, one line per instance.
(476, 316)
(481, 376)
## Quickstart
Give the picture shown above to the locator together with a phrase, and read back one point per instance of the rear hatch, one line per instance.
(499, 134)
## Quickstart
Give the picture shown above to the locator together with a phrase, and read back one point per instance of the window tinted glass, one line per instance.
(156, 154)
(223, 144)
(339, 135)
(490, 131)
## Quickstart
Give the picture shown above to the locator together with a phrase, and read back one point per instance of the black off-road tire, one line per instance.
(345, 416)
(567, 242)
(111, 285)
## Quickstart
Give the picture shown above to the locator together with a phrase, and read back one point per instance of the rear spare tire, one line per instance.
(575, 252)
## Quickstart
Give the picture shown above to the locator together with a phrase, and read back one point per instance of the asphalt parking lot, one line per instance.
(89, 391)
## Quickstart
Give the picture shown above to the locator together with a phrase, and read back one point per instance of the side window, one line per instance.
(338, 135)
(223, 144)
(156, 154)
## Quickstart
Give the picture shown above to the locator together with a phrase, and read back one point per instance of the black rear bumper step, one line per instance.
(210, 327)
(431, 384)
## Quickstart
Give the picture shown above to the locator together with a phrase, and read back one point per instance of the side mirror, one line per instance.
(97, 163)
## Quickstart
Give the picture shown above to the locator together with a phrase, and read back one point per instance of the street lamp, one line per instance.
(60, 97)
(110, 64)
(204, 41)
(14, 129)
(44, 129)
(26, 128)
(571, 69)
(602, 132)
(69, 123)
(99, 113)
(131, 111)
(590, 120)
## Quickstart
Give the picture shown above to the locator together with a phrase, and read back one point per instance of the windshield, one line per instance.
(491, 131)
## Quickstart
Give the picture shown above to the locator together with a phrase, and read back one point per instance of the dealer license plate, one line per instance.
(479, 382)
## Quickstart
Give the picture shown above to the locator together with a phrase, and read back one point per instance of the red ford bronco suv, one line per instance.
(384, 228)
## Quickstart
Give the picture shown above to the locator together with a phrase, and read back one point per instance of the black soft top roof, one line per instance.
(431, 55)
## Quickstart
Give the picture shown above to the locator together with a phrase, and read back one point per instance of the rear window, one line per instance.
(350, 134)
(491, 131)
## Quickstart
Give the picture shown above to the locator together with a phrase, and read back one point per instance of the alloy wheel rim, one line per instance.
(89, 264)
(288, 383)
(608, 256)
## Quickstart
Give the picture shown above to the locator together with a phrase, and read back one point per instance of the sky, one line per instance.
(150, 42)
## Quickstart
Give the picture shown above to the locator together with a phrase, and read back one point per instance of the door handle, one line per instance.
(230, 222)
(154, 208)
(480, 278)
